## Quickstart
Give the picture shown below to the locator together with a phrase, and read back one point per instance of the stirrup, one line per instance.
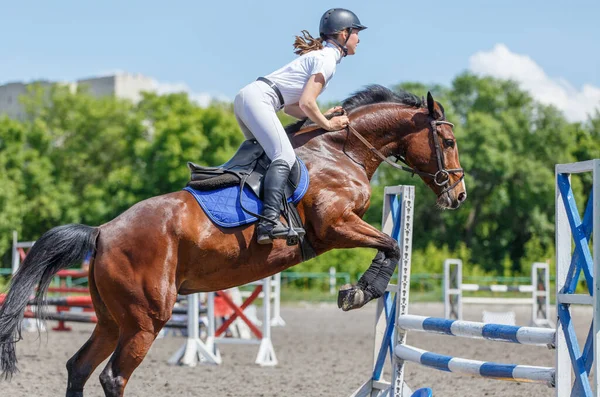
(267, 233)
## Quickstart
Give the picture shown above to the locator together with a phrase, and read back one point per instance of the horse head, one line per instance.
(431, 151)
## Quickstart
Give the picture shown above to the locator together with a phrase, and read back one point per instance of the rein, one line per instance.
(440, 178)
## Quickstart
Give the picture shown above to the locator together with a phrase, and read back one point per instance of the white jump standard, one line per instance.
(195, 351)
(538, 299)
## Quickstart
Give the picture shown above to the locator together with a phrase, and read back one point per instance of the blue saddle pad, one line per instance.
(223, 207)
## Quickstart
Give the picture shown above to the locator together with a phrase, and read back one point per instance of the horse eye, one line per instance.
(449, 142)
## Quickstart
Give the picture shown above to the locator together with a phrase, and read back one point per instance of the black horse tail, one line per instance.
(59, 248)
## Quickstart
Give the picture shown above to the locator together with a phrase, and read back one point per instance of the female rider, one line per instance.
(294, 88)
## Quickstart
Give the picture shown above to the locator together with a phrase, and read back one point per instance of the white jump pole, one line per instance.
(16, 257)
(542, 295)
(266, 352)
(453, 288)
(15, 253)
(539, 299)
(332, 281)
(194, 350)
(277, 320)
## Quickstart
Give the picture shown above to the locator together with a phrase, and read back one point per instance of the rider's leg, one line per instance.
(255, 112)
(274, 191)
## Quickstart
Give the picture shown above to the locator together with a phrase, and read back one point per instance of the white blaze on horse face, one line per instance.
(444, 201)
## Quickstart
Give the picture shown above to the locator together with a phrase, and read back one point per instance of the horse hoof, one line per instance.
(74, 394)
(350, 297)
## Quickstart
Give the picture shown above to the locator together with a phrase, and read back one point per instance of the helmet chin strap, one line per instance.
(343, 46)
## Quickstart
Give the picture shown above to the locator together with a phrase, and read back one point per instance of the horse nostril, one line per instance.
(462, 196)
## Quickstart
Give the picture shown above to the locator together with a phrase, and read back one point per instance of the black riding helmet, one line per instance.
(336, 20)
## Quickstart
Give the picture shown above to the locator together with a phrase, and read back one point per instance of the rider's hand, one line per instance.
(333, 110)
(338, 123)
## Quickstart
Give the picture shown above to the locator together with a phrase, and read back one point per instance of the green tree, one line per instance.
(12, 159)
(180, 131)
(89, 146)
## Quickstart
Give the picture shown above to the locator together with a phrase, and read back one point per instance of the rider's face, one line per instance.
(352, 43)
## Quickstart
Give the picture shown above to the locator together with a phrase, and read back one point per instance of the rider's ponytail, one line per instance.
(305, 44)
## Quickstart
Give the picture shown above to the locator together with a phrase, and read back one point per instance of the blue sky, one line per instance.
(217, 47)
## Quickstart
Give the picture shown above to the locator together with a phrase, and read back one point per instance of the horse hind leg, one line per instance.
(140, 321)
(99, 346)
(134, 343)
(139, 290)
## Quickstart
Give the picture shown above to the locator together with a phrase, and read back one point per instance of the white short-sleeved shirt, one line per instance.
(292, 78)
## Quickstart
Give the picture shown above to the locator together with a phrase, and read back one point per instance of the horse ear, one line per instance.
(435, 109)
(430, 104)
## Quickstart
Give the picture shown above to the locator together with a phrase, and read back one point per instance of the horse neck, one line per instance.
(385, 126)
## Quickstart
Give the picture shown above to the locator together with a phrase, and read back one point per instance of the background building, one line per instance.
(121, 85)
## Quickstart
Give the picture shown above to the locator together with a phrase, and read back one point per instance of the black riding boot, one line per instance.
(274, 190)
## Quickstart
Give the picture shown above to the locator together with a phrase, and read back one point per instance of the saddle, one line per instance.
(248, 165)
(231, 194)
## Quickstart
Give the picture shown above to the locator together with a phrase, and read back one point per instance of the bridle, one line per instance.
(440, 178)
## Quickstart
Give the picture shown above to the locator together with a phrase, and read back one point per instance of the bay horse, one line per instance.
(166, 245)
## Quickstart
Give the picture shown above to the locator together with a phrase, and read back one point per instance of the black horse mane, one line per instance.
(369, 95)
(377, 94)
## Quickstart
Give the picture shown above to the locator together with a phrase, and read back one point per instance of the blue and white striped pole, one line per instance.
(510, 372)
(469, 329)
(497, 288)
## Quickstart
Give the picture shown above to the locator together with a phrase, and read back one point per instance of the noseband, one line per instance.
(440, 178)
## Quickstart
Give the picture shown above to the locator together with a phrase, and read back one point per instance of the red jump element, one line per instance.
(72, 290)
(71, 301)
(239, 311)
(73, 273)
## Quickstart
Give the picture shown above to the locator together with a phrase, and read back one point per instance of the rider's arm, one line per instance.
(294, 111)
(308, 100)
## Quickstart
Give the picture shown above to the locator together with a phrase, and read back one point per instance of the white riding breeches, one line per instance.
(255, 110)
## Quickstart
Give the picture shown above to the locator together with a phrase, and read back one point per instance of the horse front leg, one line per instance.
(373, 282)
(355, 232)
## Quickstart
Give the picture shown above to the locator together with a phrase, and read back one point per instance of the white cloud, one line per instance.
(500, 62)
(201, 98)
(111, 72)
